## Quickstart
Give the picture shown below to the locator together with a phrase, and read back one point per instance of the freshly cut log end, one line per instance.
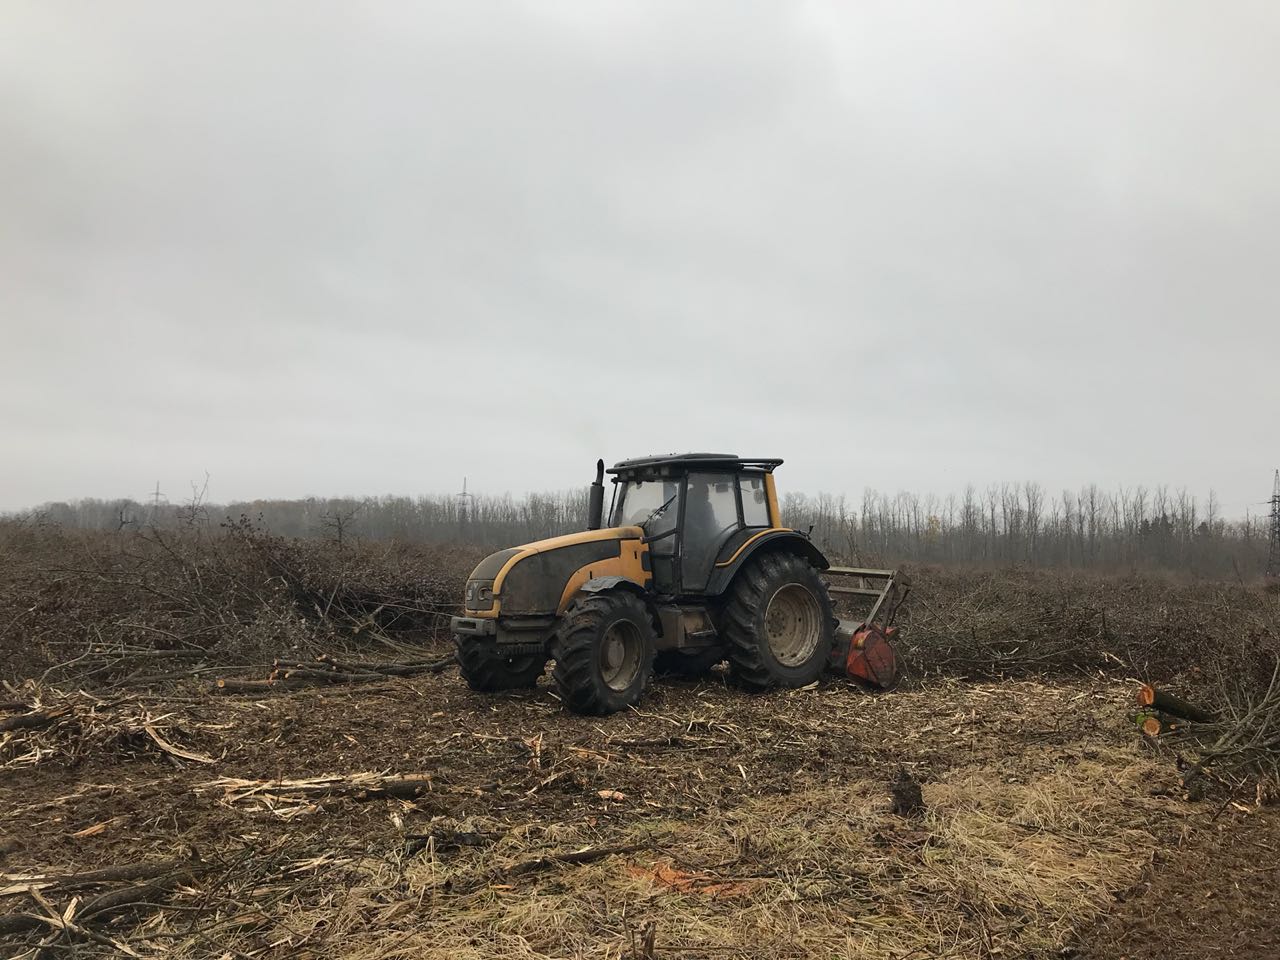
(1151, 726)
(1149, 696)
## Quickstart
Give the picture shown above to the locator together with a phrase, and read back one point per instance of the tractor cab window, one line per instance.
(655, 506)
(755, 505)
(710, 518)
(652, 504)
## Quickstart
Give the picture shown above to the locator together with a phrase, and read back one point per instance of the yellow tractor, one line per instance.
(694, 568)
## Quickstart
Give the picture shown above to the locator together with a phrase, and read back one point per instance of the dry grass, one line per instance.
(995, 868)
(749, 827)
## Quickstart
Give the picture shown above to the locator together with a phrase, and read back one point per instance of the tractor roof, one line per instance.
(682, 462)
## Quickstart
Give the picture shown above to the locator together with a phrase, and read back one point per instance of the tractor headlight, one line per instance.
(479, 594)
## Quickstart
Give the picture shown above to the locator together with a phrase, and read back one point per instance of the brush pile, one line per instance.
(140, 607)
(1019, 623)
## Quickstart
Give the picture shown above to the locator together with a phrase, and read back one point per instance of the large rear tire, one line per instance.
(487, 669)
(778, 622)
(604, 652)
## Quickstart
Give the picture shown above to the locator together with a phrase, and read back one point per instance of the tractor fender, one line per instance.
(600, 584)
(784, 541)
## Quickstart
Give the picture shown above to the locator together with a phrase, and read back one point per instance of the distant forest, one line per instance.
(1004, 525)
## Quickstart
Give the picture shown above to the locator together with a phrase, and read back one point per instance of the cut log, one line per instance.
(289, 674)
(281, 664)
(388, 669)
(92, 878)
(330, 676)
(359, 786)
(1149, 696)
(34, 720)
(225, 685)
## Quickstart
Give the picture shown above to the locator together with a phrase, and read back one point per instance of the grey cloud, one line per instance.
(322, 248)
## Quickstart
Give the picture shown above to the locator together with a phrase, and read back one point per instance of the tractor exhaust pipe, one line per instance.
(595, 502)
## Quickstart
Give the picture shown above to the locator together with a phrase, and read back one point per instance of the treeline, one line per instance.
(495, 521)
(1002, 525)
(1020, 524)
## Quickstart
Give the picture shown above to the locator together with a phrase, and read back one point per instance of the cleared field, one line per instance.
(725, 825)
(961, 815)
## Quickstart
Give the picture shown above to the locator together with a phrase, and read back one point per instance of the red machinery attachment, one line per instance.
(863, 649)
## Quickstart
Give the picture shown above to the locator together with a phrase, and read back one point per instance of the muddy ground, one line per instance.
(708, 823)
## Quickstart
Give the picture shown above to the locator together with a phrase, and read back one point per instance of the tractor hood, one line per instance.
(542, 577)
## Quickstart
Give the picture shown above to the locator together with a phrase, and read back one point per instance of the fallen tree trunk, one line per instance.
(297, 674)
(1149, 696)
(34, 720)
(330, 676)
(126, 871)
(360, 786)
(225, 685)
(390, 669)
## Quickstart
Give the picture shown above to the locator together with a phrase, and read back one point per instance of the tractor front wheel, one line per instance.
(603, 648)
(779, 623)
(487, 669)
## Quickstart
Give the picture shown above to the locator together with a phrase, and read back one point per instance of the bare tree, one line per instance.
(338, 521)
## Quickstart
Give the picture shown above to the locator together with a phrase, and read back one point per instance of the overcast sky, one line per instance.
(363, 248)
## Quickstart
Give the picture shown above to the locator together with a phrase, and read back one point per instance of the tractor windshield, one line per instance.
(653, 504)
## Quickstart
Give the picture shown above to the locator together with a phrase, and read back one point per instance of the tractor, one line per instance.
(694, 568)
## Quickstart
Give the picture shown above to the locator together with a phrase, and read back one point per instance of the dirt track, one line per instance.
(746, 826)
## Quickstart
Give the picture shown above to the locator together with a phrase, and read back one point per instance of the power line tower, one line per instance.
(1273, 554)
(156, 499)
(466, 502)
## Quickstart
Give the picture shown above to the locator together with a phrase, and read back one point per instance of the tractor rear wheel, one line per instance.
(690, 664)
(603, 650)
(779, 623)
(487, 669)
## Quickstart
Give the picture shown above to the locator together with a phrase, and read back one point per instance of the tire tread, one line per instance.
(487, 670)
(743, 612)
(573, 648)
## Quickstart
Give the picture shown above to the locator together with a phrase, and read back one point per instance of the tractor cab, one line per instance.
(696, 510)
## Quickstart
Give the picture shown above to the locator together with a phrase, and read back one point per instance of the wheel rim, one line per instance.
(793, 624)
(620, 655)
